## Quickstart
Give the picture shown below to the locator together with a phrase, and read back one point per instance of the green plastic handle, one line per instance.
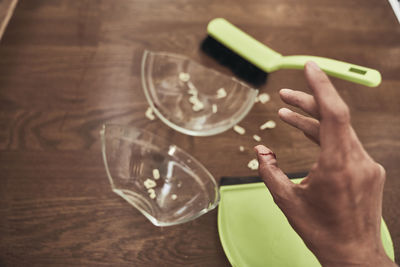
(269, 60)
(335, 68)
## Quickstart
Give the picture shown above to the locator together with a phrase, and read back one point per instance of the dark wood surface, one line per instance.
(67, 67)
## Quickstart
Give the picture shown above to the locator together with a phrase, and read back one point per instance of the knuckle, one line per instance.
(378, 172)
(341, 114)
(373, 172)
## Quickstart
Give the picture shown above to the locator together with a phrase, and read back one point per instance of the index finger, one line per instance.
(334, 113)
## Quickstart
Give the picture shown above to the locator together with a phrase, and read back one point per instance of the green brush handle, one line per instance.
(335, 68)
(269, 60)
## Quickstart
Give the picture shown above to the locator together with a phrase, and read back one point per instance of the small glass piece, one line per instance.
(156, 174)
(240, 130)
(149, 114)
(257, 138)
(268, 125)
(253, 164)
(264, 98)
(221, 93)
(214, 108)
(184, 77)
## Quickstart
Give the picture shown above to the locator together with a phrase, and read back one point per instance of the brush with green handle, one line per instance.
(269, 60)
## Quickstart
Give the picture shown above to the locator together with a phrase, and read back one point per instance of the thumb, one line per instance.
(279, 185)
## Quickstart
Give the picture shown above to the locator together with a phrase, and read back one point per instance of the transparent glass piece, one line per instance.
(184, 190)
(169, 81)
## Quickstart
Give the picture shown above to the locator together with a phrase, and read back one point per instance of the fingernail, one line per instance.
(284, 111)
(313, 65)
(286, 90)
(261, 149)
(264, 152)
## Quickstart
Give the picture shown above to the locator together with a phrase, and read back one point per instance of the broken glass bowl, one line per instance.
(166, 184)
(191, 98)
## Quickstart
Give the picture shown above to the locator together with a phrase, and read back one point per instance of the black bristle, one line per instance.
(239, 66)
(255, 179)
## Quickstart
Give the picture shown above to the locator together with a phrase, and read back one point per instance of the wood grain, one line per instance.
(67, 67)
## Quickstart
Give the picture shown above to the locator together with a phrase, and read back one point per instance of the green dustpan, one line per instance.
(254, 232)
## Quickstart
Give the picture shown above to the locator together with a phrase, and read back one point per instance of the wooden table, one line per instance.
(67, 67)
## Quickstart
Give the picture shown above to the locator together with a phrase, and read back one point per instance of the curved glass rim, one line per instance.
(186, 154)
(209, 132)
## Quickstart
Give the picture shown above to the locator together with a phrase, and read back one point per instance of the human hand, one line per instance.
(337, 208)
